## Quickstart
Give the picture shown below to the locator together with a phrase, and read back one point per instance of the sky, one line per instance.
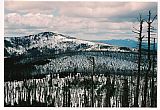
(83, 20)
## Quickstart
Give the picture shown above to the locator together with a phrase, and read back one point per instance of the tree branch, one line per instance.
(135, 32)
(136, 29)
(154, 18)
(143, 36)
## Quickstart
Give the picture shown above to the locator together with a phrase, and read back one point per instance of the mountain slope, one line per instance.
(48, 52)
(46, 43)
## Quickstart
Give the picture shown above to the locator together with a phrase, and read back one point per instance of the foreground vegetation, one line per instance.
(75, 90)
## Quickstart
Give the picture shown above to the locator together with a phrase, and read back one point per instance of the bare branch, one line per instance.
(154, 18)
(138, 19)
(153, 38)
(152, 31)
(153, 34)
(137, 37)
(136, 32)
(146, 21)
(152, 28)
(140, 16)
(143, 36)
(136, 29)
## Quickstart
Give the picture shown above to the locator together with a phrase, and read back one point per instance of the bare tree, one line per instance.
(125, 102)
(140, 37)
(153, 75)
(91, 59)
(149, 22)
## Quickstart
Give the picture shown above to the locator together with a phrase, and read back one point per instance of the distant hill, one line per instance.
(125, 43)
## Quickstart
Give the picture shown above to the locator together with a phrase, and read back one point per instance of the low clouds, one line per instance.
(84, 20)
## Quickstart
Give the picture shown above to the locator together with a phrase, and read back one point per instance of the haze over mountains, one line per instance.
(125, 43)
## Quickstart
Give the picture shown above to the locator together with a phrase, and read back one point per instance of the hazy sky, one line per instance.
(84, 20)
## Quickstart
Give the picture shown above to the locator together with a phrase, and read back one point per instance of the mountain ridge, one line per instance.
(125, 43)
(46, 42)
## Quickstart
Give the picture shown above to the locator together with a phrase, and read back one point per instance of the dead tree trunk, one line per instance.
(91, 59)
(92, 83)
(69, 94)
(139, 32)
(153, 73)
(125, 102)
(149, 22)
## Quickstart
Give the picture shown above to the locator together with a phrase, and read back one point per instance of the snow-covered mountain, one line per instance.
(51, 52)
(51, 43)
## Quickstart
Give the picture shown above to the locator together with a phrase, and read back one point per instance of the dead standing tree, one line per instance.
(149, 22)
(140, 37)
(91, 59)
(125, 102)
(153, 95)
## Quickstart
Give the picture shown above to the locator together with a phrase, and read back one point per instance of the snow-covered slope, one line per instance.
(83, 64)
(51, 52)
(51, 43)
